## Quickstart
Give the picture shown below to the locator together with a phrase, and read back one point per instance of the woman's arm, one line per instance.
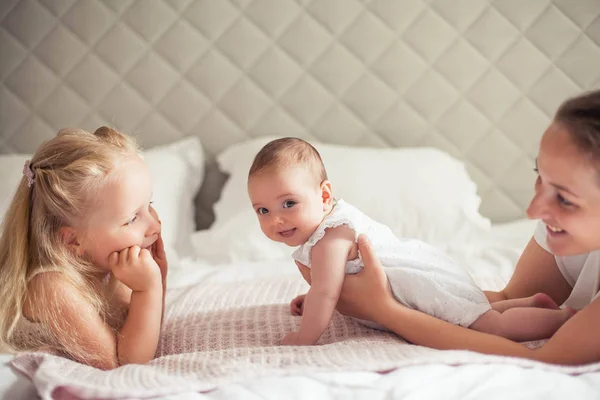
(367, 295)
(535, 272)
(328, 260)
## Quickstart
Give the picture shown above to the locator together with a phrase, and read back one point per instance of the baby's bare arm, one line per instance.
(328, 260)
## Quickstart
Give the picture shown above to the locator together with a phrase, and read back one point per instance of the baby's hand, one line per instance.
(291, 339)
(135, 268)
(297, 305)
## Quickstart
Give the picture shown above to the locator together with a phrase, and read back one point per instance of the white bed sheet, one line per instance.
(490, 261)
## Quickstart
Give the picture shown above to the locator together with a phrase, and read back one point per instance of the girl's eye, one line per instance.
(150, 205)
(536, 170)
(289, 204)
(262, 211)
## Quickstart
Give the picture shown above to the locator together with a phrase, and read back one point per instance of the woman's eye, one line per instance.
(289, 204)
(563, 201)
(262, 211)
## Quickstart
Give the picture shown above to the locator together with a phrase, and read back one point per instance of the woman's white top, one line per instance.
(582, 271)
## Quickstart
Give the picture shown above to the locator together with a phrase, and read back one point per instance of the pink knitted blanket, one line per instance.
(219, 333)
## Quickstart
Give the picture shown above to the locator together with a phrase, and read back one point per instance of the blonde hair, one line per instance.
(67, 172)
(287, 151)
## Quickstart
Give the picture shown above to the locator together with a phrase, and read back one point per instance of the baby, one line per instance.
(289, 190)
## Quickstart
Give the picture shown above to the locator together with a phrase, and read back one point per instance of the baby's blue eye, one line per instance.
(262, 211)
(289, 204)
(132, 220)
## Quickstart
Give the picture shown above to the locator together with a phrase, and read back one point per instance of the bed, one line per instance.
(424, 378)
(427, 114)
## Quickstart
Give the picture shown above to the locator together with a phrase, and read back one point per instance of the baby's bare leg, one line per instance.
(539, 300)
(523, 323)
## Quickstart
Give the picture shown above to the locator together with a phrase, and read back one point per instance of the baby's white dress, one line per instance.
(421, 276)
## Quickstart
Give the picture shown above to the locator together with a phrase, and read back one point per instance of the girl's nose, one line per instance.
(154, 226)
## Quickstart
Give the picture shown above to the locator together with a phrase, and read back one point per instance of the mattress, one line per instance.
(490, 264)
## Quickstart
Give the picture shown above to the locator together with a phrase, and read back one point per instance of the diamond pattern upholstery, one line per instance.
(479, 79)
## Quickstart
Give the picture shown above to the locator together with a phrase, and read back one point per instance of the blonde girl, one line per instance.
(82, 262)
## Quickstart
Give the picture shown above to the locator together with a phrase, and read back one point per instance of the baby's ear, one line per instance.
(68, 236)
(326, 195)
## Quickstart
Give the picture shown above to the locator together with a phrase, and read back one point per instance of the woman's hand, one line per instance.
(366, 294)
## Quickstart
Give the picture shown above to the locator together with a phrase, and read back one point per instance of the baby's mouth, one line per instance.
(288, 233)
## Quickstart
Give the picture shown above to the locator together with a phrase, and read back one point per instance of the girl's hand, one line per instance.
(158, 249)
(135, 268)
(297, 305)
(160, 257)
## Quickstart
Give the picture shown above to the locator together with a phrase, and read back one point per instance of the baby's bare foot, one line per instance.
(542, 300)
(570, 311)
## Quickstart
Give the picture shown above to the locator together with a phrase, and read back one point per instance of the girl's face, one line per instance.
(122, 216)
(289, 202)
(567, 195)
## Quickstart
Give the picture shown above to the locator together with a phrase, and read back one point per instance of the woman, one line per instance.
(562, 259)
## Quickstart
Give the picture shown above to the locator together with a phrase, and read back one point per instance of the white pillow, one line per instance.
(11, 166)
(177, 171)
(421, 193)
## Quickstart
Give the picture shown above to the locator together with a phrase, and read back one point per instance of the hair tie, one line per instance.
(28, 172)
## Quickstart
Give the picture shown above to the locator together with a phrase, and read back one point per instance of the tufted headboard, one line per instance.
(479, 79)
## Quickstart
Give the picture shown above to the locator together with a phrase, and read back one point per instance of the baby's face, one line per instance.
(290, 203)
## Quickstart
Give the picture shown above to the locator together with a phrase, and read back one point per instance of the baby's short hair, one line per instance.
(286, 152)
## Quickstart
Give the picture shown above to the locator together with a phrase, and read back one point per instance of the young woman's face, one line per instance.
(122, 216)
(567, 195)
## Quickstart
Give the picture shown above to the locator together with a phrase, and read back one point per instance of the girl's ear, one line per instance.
(326, 195)
(68, 236)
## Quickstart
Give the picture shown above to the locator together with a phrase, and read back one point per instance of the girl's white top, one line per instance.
(581, 271)
(421, 276)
